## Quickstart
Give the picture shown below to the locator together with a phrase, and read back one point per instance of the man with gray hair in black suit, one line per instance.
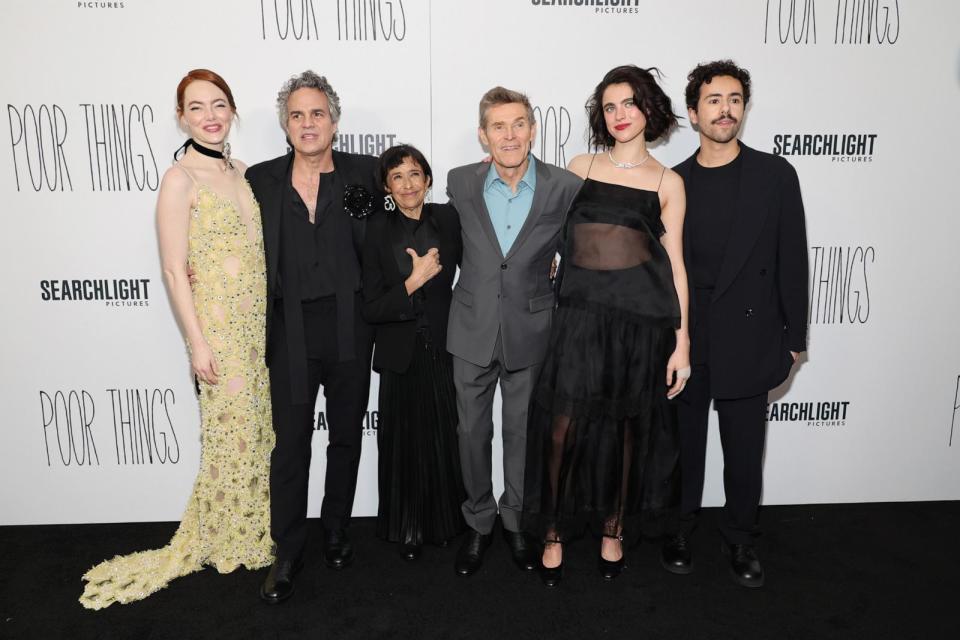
(313, 204)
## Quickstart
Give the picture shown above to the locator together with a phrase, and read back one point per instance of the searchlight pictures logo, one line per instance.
(608, 7)
(114, 293)
(843, 148)
(371, 422)
(101, 4)
(371, 144)
(830, 413)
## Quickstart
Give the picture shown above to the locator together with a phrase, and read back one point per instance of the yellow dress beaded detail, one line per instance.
(227, 520)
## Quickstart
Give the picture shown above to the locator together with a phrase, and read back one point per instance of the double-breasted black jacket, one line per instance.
(758, 309)
(386, 265)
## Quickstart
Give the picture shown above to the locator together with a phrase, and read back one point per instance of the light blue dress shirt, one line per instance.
(509, 210)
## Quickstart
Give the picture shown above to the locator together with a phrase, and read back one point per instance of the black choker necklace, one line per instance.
(206, 151)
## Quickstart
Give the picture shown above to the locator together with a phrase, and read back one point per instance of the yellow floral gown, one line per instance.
(227, 520)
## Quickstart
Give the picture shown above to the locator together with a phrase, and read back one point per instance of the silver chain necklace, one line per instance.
(626, 165)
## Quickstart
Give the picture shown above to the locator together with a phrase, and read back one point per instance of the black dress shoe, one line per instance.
(279, 583)
(409, 551)
(337, 550)
(675, 555)
(470, 555)
(745, 567)
(522, 549)
(551, 576)
(610, 569)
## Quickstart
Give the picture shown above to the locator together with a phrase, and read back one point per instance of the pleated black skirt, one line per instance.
(421, 488)
(602, 440)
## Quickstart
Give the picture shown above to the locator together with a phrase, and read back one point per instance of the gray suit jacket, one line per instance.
(508, 294)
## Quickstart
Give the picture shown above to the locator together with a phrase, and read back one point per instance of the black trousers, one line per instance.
(742, 435)
(346, 387)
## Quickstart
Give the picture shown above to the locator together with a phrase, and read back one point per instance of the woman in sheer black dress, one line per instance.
(602, 444)
(410, 255)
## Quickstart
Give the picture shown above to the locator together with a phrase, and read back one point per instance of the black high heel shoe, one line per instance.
(611, 569)
(550, 576)
(409, 551)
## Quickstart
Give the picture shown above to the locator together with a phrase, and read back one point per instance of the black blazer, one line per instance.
(386, 266)
(758, 311)
(269, 180)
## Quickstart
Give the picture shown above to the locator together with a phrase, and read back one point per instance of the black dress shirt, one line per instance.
(316, 259)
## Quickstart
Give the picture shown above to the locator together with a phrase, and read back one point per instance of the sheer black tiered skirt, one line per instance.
(421, 488)
(602, 440)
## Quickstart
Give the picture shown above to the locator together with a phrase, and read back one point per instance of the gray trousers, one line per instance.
(475, 390)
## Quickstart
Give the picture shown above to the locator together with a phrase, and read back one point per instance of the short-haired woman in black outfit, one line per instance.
(602, 443)
(410, 255)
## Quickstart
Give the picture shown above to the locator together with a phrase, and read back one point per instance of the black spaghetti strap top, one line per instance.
(612, 257)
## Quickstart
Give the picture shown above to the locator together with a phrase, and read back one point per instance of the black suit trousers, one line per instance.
(742, 435)
(346, 387)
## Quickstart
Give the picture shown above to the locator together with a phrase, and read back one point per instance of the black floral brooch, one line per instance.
(358, 201)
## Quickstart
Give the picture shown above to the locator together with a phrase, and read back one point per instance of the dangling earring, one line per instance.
(388, 203)
(226, 155)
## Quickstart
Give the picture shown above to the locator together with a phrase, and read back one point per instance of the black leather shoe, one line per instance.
(610, 569)
(522, 549)
(675, 555)
(470, 555)
(279, 583)
(551, 576)
(337, 550)
(745, 567)
(409, 551)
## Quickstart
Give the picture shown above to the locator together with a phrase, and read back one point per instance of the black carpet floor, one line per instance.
(833, 571)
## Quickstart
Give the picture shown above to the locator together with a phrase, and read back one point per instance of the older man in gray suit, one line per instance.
(511, 212)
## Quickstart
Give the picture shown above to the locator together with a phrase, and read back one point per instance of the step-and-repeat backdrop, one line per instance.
(100, 422)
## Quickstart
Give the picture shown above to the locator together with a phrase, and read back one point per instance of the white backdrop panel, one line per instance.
(102, 424)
